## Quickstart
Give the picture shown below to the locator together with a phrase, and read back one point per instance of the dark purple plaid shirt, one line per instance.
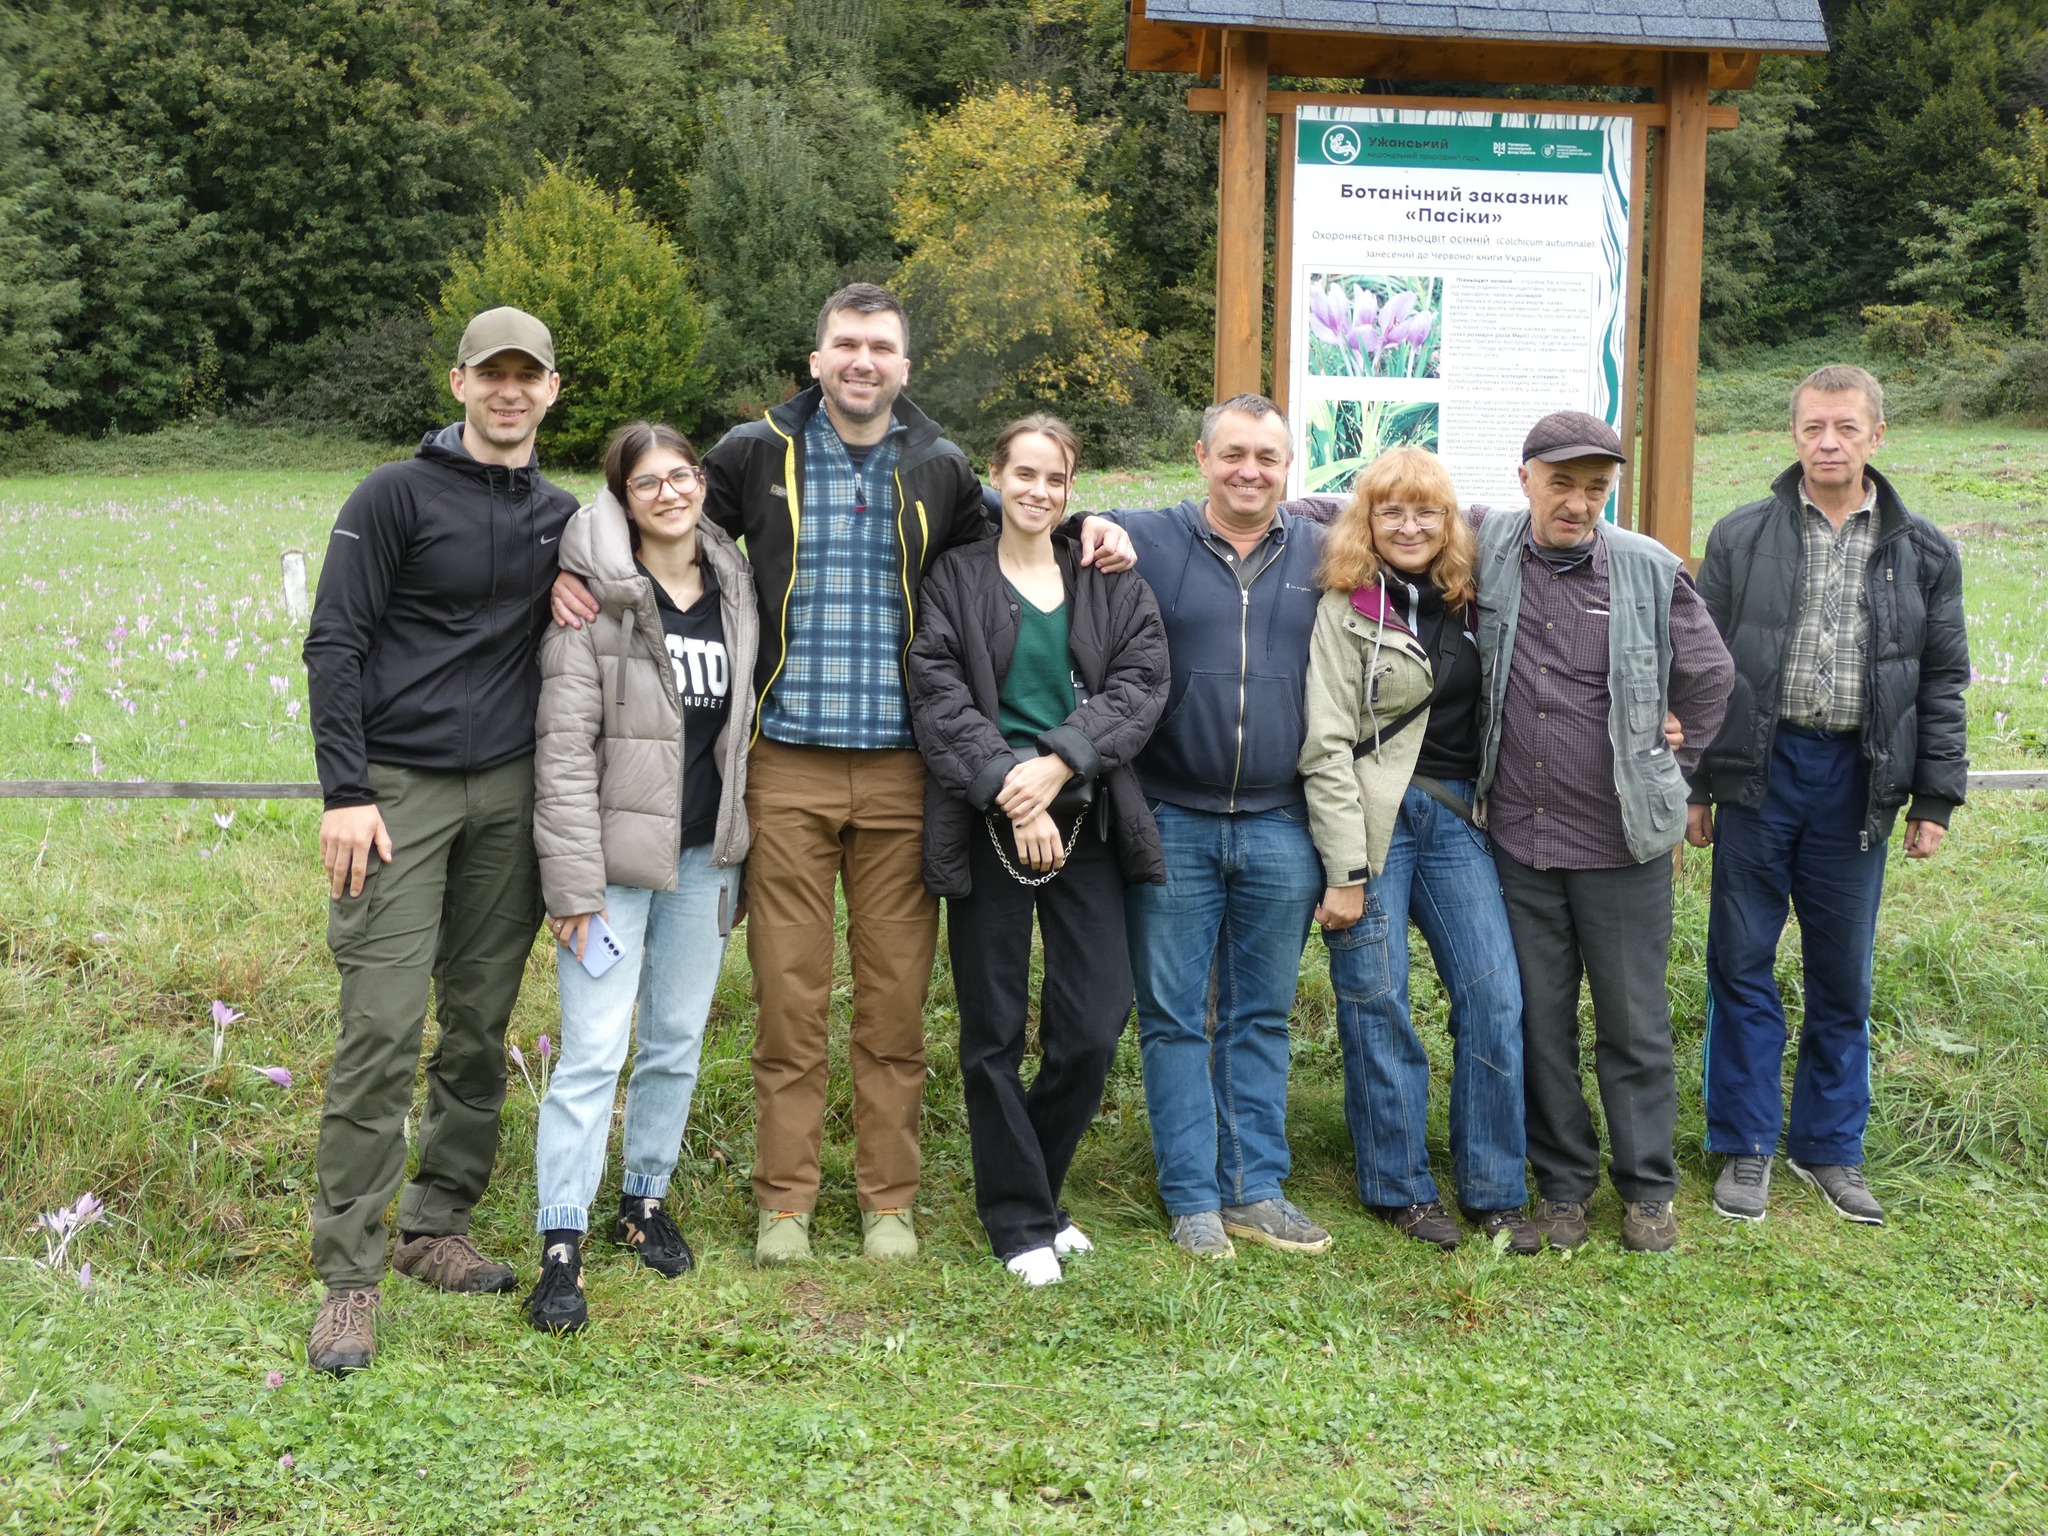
(1553, 804)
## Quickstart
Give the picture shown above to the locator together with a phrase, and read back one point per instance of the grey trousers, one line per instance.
(457, 908)
(1613, 927)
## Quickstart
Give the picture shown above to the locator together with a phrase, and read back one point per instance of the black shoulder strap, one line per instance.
(1364, 748)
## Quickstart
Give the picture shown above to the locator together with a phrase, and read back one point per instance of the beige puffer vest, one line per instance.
(608, 769)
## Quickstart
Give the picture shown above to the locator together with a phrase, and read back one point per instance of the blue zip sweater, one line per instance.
(1234, 725)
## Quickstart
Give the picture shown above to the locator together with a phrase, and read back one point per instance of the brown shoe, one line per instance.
(1561, 1222)
(1649, 1226)
(451, 1262)
(1523, 1238)
(344, 1336)
(1426, 1222)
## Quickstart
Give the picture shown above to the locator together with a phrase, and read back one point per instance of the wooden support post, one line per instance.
(1677, 240)
(1283, 265)
(1241, 218)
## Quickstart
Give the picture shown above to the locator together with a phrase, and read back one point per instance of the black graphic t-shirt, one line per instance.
(696, 645)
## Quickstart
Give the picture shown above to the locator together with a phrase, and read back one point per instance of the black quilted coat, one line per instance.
(1913, 730)
(966, 635)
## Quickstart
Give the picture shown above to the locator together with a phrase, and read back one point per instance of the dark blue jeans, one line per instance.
(1802, 847)
(1240, 891)
(1440, 873)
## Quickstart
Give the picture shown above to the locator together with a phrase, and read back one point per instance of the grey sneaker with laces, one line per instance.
(1743, 1191)
(1277, 1224)
(1202, 1235)
(1561, 1223)
(344, 1336)
(1842, 1186)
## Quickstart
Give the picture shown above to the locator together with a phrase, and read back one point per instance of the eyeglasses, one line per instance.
(1393, 518)
(683, 479)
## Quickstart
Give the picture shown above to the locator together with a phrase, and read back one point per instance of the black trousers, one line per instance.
(1024, 1139)
(1613, 927)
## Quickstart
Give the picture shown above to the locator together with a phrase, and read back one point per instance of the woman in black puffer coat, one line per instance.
(1033, 683)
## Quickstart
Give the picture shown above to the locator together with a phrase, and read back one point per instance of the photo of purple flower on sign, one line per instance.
(1370, 327)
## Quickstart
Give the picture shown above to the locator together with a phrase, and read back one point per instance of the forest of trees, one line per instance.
(275, 209)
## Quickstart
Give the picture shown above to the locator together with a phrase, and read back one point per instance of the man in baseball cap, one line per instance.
(1588, 636)
(420, 661)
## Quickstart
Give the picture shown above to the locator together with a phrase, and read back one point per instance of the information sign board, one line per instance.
(1455, 275)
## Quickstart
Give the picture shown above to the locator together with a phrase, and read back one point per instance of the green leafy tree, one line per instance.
(1006, 264)
(1747, 181)
(614, 290)
(35, 296)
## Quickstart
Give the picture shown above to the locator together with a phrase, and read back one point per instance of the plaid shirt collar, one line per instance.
(1869, 497)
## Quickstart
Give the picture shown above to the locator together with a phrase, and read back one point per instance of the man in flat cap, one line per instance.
(1588, 636)
(420, 663)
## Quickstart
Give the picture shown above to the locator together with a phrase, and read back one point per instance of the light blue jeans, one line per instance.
(1240, 890)
(673, 953)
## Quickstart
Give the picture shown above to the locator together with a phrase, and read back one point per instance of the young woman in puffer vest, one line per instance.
(640, 820)
(1393, 706)
(1033, 682)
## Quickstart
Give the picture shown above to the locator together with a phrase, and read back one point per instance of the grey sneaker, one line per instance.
(1649, 1226)
(1561, 1223)
(1277, 1224)
(1842, 1186)
(1743, 1191)
(1202, 1235)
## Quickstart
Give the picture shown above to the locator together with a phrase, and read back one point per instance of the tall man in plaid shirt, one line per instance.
(1588, 635)
(1845, 615)
(844, 495)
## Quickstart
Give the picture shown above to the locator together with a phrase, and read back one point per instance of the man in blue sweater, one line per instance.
(1235, 578)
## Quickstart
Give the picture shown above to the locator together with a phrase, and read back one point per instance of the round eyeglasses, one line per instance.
(1394, 518)
(683, 479)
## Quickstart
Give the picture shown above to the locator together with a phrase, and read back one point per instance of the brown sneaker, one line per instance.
(344, 1336)
(1649, 1226)
(451, 1262)
(1561, 1222)
(1426, 1222)
(1523, 1238)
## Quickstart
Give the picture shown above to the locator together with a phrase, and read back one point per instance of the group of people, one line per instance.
(822, 659)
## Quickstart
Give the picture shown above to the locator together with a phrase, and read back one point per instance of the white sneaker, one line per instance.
(1036, 1267)
(1071, 1239)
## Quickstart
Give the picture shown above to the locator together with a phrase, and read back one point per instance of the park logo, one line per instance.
(1340, 144)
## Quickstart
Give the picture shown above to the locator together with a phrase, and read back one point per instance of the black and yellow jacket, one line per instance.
(754, 492)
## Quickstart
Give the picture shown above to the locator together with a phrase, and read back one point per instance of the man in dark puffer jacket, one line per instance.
(1844, 612)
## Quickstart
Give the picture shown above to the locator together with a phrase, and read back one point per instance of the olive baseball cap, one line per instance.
(505, 329)
(1563, 436)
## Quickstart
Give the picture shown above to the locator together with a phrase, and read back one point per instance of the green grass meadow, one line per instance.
(1799, 1376)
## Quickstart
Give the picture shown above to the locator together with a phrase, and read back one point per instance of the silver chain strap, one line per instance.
(1073, 840)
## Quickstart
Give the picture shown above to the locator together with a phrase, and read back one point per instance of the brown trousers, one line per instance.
(822, 814)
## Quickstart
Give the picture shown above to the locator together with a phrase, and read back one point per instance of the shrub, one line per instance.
(2020, 386)
(1908, 330)
(612, 288)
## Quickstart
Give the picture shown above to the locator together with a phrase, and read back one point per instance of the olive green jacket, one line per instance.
(1364, 673)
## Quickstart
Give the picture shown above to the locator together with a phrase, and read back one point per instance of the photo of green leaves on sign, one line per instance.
(1374, 327)
(1346, 435)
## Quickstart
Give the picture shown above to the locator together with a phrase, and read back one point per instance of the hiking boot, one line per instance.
(1649, 1226)
(1427, 1222)
(1277, 1224)
(451, 1261)
(1523, 1238)
(1561, 1223)
(344, 1336)
(557, 1305)
(1202, 1235)
(887, 1235)
(1842, 1186)
(782, 1237)
(1743, 1191)
(645, 1227)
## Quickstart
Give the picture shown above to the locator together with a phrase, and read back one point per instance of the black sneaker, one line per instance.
(644, 1226)
(1523, 1238)
(1427, 1222)
(556, 1305)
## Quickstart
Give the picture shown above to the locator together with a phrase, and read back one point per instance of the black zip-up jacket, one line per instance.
(1913, 725)
(957, 665)
(433, 598)
(755, 481)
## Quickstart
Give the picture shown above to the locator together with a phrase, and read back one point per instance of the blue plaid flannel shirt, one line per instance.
(842, 674)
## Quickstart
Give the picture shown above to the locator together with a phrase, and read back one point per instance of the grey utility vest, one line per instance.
(1640, 572)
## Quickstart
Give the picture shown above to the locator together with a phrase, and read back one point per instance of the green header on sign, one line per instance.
(1321, 142)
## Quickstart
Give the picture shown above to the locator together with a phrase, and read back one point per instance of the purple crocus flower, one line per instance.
(518, 1056)
(85, 1275)
(1327, 314)
(273, 1380)
(546, 1050)
(223, 1015)
(1413, 331)
(282, 1076)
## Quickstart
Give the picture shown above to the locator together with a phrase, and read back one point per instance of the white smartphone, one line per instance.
(600, 950)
